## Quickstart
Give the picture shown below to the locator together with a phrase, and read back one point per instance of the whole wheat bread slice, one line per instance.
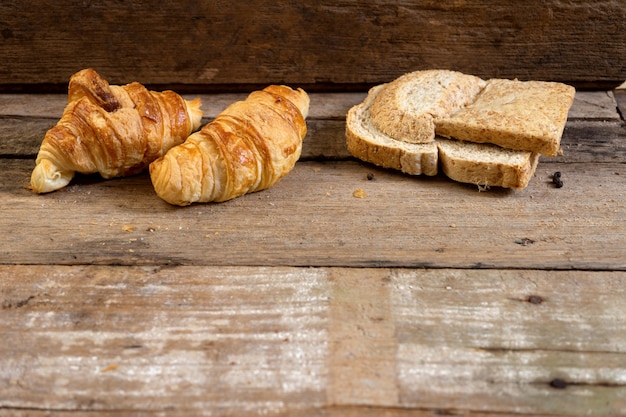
(366, 142)
(486, 165)
(523, 115)
(481, 164)
(408, 108)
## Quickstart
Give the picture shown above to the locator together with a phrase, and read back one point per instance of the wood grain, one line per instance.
(587, 105)
(402, 221)
(288, 341)
(328, 44)
(594, 130)
(425, 298)
(620, 97)
(130, 225)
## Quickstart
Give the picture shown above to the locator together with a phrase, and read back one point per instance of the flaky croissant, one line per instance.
(249, 147)
(111, 130)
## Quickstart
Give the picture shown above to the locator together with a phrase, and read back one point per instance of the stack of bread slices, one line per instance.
(483, 132)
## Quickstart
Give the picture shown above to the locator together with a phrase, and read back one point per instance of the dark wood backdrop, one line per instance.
(346, 44)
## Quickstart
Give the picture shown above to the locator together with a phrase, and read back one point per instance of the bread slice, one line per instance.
(522, 115)
(485, 164)
(504, 125)
(366, 142)
(481, 164)
(409, 106)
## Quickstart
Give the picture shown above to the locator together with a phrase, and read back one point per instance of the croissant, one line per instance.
(248, 147)
(111, 130)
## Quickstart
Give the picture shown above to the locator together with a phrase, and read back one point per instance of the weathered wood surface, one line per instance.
(300, 341)
(311, 218)
(594, 131)
(403, 221)
(328, 44)
(497, 303)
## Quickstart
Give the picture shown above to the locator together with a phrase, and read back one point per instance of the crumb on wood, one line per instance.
(359, 193)
(109, 368)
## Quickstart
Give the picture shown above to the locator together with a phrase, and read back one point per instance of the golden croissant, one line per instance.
(111, 130)
(249, 147)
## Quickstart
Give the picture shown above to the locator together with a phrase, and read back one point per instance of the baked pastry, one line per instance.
(111, 130)
(248, 147)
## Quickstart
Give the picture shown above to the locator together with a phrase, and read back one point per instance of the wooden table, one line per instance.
(425, 297)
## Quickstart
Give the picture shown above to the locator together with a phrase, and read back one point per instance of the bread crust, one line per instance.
(502, 126)
(521, 115)
(367, 143)
(408, 107)
(112, 130)
(486, 165)
(250, 146)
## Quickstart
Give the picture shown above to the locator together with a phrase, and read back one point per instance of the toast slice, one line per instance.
(521, 115)
(502, 126)
(408, 108)
(367, 143)
(486, 165)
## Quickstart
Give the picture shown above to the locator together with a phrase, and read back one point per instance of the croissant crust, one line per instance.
(111, 130)
(249, 147)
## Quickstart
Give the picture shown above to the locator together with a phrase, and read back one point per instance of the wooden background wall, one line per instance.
(338, 44)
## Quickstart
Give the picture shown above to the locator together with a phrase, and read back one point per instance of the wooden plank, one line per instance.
(323, 105)
(24, 120)
(193, 344)
(325, 44)
(594, 132)
(588, 105)
(582, 141)
(402, 221)
(21, 138)
(311, 341)
(620, 97)
(585, 141)
(594, 105)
